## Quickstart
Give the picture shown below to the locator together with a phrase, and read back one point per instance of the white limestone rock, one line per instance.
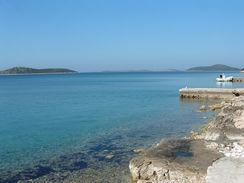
(226, 170)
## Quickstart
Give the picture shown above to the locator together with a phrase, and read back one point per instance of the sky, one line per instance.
(98, 35)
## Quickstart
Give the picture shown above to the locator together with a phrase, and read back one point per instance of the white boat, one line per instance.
(223, 78)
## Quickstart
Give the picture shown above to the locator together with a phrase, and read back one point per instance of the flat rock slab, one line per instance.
(174, 160)
(226, 170)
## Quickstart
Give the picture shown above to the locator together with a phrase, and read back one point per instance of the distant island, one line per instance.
(25, 70)
(213, 68)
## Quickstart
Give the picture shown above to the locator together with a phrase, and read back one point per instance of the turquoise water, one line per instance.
(46, 116)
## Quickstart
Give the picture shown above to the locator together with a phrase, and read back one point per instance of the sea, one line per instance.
(85, 127)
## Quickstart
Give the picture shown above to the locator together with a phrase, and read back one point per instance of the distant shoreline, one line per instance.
(98, 72)
(178, 71)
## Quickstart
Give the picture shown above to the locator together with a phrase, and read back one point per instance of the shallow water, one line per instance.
(65, 125)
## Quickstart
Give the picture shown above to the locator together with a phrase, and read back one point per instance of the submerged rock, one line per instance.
(110, 156)
(203, 108)
(138, 150)
(204, 117)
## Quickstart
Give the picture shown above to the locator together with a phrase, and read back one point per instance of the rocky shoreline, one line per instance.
(214, 155)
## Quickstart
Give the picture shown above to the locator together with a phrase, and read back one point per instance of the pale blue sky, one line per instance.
(96, 35)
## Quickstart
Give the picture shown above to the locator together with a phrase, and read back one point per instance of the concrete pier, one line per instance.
(210, 93)
(238, 79)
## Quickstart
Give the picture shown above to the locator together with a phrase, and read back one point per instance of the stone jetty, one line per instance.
(210, 93)
(238, 79)
(214, 155)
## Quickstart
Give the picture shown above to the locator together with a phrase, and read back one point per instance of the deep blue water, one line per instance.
(43, 116)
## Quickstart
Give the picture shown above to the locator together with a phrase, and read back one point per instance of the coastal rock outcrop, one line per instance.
(199, 158)
(174, 160)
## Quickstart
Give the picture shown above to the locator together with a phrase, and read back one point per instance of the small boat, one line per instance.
(223, 78)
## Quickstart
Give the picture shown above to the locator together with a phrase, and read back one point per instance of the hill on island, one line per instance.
(25, 70)
(213, 68)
